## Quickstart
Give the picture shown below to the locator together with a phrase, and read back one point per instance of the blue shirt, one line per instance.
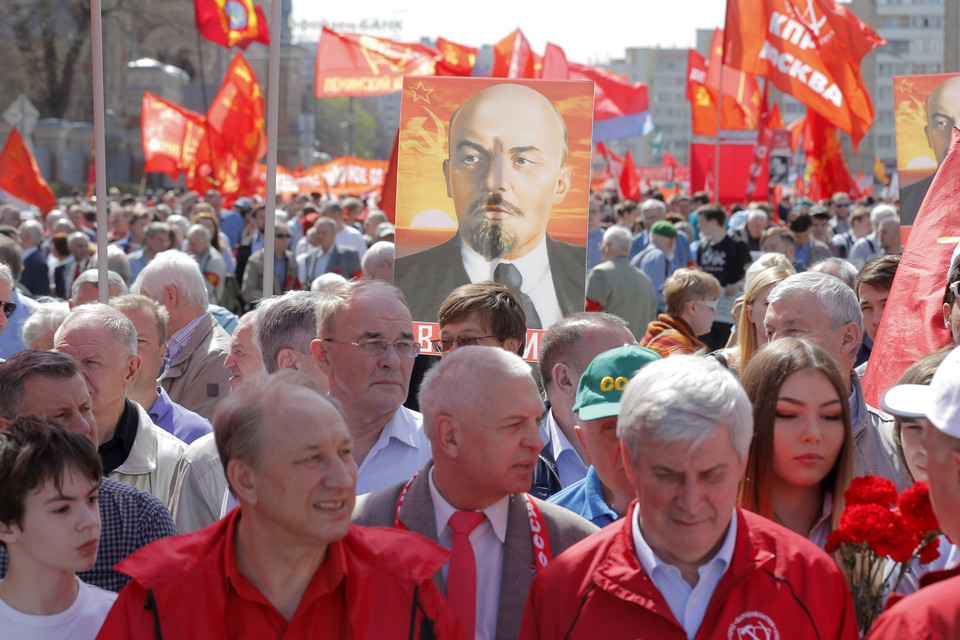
(594, 238)
(802, 254)
(178, 420)
(11, 340)
(682, 256)
(400, 452)
(653, 262)
(231, 223)
(688, 604)
(585, 498)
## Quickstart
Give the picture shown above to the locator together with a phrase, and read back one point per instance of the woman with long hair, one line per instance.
(750, 333)
(801, 458)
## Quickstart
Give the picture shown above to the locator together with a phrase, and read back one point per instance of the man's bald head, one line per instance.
(943, 113)
(501, 97)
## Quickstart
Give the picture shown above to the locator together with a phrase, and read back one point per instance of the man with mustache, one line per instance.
(507, 168)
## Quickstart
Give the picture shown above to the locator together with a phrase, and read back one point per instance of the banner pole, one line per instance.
(716, 152)
(100, 165)
(273, 107)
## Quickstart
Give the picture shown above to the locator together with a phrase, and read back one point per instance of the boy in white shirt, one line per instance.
(50, 525)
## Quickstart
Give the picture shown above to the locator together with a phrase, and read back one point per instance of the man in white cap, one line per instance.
(934, 611)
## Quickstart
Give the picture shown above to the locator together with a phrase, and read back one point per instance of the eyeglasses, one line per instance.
(713, 304)
(845, 205)
(281, 235)
(378, 346)
(9, 308)
(446, 344)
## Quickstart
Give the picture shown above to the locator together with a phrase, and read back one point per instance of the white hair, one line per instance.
(181, 222)
(684, 398)
(46, 319)
(837, 301)
(199, 230)
(105, 317)
(653, 203)
(175, 268)
(7, 276)
(376, 256)
(117, 262)
(31, 232)
(91, 276)
(757, 214)
(839, 268)
(441, 389)
(617, 238)
(327, 280)
(881, 212)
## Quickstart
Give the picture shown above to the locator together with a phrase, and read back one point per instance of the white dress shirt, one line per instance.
(487, 542)
(688, 604)
(350, 237)
(534, 269)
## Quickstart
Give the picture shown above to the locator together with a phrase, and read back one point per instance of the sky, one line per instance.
(587, 34)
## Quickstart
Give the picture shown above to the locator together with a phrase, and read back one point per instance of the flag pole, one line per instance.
(96, 40)
(206, 107)
(716, 151)
(273, 104)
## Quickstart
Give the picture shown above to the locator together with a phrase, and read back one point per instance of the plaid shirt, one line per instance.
(130, 519)
(177, 341)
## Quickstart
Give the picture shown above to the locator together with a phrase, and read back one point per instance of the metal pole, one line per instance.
(99, 116)
(351, 120)
(716, 152)
(273, 107)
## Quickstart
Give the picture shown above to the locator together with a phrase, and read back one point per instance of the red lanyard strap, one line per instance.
(538, 528)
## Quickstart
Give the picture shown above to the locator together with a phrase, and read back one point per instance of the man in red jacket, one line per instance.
(286, 563)
(685, 562)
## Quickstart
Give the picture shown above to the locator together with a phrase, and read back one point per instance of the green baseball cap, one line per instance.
(603, 382)
(664, 228)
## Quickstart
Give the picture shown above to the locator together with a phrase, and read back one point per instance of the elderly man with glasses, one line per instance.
(366, 347)
(285, 275)
(6, 296)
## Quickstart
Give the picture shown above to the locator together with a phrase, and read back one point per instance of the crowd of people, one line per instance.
(193, 460)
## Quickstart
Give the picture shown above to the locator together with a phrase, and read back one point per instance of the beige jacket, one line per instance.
(876, 452)
(199, 485)
(198, 380)
(152, 459)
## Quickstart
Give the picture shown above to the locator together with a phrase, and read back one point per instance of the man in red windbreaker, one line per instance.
(287, 563)
(685, 562)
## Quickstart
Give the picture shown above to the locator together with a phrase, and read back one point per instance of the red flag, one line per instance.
(20, 176)
(776, 119)
(827, 171)
(669, 160)
(513, 58)
(736, 154)
(350, 64)
(235, 138)
(388, 195)
(457, 60)
(761, 151)
(231, 23)
(703, 106)
(912, 324)
(629, 180)
(164, 127)
(739, 95)
(555, 65)
(810, 49)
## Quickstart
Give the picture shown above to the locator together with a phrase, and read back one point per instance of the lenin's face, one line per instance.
(943, 113)
(506, 169)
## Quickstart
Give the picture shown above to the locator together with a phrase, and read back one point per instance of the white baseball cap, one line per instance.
(939, 402)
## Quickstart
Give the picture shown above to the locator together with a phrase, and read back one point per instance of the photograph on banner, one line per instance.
(779, 155)
(926, 108)
(493, 184)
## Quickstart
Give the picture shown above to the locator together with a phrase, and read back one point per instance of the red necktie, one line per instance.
(462, 574)
(76, 272)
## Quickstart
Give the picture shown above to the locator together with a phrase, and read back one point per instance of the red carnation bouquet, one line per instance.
(879, 536)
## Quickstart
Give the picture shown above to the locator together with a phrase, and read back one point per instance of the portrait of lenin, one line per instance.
(505, 170)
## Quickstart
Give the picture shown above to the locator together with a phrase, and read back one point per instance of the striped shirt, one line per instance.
(178, 340)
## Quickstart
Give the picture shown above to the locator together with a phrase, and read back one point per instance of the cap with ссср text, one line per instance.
(603, 381)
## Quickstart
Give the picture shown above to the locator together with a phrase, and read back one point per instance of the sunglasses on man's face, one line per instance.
(9, 308)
